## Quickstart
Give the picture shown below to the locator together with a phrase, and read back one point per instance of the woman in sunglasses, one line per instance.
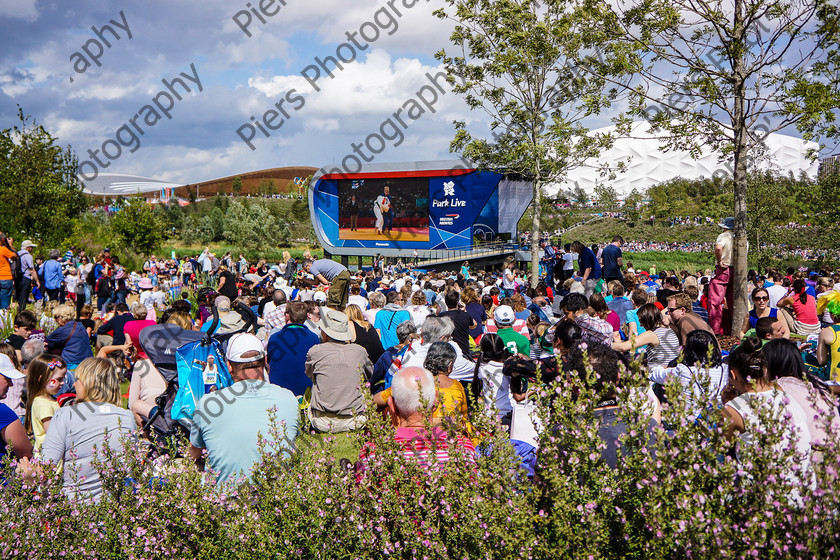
(761, 308)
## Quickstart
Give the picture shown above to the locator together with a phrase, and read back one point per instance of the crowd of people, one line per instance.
(317, 347)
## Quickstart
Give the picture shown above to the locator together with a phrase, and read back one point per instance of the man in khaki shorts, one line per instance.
(336, 367)
(329, 272)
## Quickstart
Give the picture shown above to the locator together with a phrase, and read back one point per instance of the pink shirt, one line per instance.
(805, 312)
(613, 320)
(132, 329)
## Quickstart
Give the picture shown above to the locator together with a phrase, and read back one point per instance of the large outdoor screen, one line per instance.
(394, 209)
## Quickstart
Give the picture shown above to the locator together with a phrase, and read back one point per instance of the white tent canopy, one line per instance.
(648, 165)
(115, 184)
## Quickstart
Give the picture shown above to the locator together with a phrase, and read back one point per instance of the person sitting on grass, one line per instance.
(412, 400)
(335, 367)
(607, 363)
(227, 423)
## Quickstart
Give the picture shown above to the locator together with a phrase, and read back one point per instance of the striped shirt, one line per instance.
(416, 444)
(667, 349)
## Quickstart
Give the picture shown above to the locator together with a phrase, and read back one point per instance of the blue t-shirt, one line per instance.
(387, 321)
(226, 423)
(287, 350)
(73, 338)
(52, 274)
(621, 306)
(610, 255)
(7, 416)
(587, 259)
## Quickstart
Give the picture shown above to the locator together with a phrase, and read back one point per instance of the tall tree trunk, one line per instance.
(739, 307)
(535, 233)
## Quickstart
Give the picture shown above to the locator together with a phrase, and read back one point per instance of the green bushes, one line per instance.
(675, 494)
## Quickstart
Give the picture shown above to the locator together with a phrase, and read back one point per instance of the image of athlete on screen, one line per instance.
(383, 212)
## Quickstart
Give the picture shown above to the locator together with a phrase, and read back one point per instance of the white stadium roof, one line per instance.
(115, 184)
(648, 165)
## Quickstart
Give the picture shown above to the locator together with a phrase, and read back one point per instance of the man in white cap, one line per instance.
(11, 428)
(29, 274)
(335, 367)
(227, 422)
(516, 343)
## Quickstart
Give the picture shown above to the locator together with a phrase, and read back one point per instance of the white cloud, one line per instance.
(19, 9)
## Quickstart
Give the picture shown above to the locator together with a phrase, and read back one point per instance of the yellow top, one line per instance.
(834, 355)
(42, 408)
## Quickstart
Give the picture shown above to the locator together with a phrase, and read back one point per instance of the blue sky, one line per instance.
(43, 69)
(240, 76)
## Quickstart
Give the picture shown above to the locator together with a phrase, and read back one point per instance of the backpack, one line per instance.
(17, 273)
(191, 360)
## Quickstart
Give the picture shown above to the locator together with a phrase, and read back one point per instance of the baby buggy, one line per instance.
(174, 351)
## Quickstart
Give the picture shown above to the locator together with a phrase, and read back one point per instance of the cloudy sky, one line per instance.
(83, 91)
(256, 61)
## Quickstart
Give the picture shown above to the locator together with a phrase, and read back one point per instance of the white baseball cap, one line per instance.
(242, 343)
(503, 315)
(319, 297)
(7, 368)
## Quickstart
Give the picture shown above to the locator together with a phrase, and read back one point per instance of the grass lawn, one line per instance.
(340, 446)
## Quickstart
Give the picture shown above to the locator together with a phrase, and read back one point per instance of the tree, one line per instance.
(300, 209)
(606, 197)
(249, 226)
(284, 236)
(579, 196)
(236, 186)
(723, 74)
(216, 223)
(40, 193)
(138, 227)
(515, 60)
(633, 205)
(266, 188)
(171, 215)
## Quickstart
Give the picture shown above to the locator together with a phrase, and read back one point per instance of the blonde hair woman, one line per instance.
(78, 433)
(363, 333)
(70, 340)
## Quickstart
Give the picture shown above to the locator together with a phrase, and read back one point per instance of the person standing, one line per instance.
(7, 284)
(548, 261)
(328, 272)
(611, 257)
(227, 283)
(588, 263)
(569, 259)
(353, 212)
(720, 287)
(29, 274)
(52, 275)
(386, 202)
(509, 277)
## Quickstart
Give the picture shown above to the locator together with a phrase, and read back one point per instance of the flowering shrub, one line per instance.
(677, 492)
